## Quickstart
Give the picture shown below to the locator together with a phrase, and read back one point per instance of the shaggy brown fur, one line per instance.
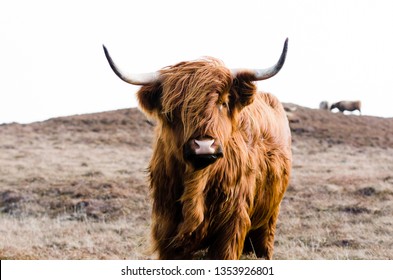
(235, 200)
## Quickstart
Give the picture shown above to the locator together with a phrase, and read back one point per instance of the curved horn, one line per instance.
(134, 79)
(263, 74)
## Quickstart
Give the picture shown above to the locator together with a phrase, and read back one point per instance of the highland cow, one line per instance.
(347, 106)
(221, 160)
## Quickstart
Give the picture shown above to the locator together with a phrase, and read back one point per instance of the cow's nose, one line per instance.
(204, 147)
(202, 151)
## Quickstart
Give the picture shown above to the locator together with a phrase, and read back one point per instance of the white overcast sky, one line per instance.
(52, 63)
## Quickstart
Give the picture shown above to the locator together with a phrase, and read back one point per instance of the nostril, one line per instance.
(195, 142)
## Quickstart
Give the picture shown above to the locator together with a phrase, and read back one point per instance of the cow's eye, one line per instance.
(222, 106)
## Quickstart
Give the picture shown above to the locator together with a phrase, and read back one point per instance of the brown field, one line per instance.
(75, 188)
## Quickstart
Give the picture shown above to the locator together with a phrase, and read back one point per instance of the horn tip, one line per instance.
(105, 49)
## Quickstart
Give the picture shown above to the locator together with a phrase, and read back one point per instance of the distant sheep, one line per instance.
(324, 105)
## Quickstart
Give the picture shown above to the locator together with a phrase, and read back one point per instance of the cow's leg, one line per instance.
(229, 239)
(261, 240)
(164, 232)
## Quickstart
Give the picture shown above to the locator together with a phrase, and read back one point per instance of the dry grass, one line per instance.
(61, 238)
(75, 188)
(338, 206)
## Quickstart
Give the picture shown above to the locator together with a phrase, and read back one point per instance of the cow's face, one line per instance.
(197, 103)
